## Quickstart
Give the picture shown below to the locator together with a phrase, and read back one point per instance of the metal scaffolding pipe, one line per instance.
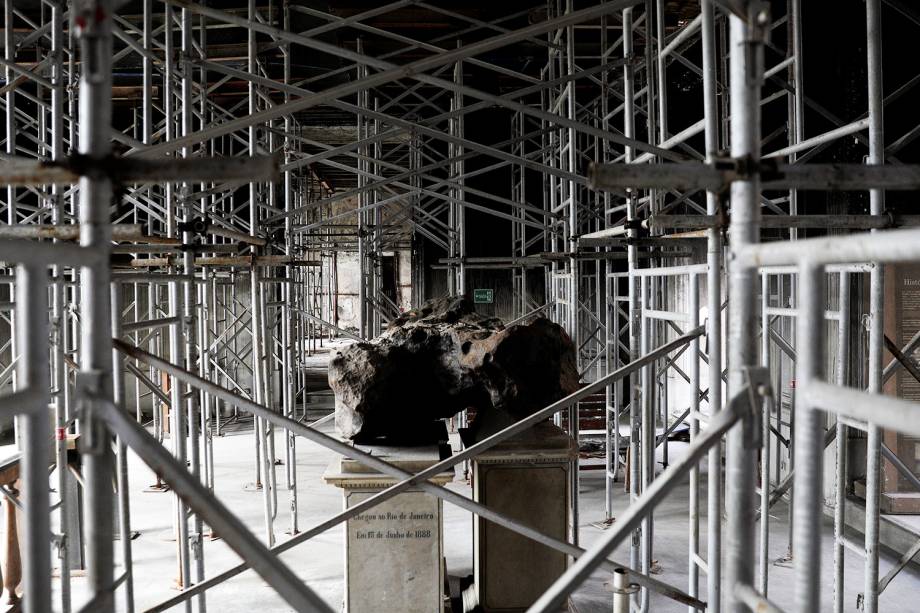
(555, 596)
(95, 193)
(33, 375)
(876, 105)
(809, 431)
(288, 585)
(70, 232)
(835, 222)
(689, 176)
(27, 172)
(746, 72)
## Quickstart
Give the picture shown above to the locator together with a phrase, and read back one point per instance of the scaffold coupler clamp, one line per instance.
(89, 391)
(59, 544)
(759, 21)
(757, 389)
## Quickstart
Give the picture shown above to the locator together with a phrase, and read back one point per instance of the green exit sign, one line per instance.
(483, 296)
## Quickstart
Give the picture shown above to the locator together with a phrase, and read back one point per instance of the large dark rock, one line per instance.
(440, 359)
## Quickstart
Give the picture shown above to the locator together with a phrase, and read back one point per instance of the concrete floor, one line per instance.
(320, 562)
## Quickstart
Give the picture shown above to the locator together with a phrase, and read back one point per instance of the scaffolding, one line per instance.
(209, 240)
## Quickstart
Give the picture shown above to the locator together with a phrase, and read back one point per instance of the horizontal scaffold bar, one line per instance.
(718, 176)
(28, 172)
(852, 222)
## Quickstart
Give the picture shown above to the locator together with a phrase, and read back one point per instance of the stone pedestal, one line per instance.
(526, 478)
(394, 550)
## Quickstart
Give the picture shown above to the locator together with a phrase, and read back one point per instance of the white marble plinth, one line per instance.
(394, 550)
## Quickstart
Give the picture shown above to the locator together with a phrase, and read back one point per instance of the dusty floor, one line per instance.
(319, 562)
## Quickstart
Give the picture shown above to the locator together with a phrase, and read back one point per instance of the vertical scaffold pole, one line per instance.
(713, 315)
(574, 268)
(876, 304)
(809, 434)
(843, 375)
(287, 289)
(31, 326)
(67, 503)
(629, 129)
(746, 71)
(189, 298)
(93, 23)
(693, 587)
(121, 467)
(263, 430)
(763, 567)
(177, 425)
